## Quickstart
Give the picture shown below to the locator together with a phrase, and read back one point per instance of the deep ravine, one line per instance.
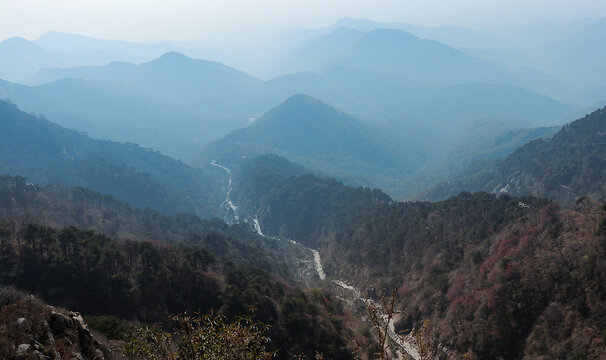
(230, 204)
(354, 294)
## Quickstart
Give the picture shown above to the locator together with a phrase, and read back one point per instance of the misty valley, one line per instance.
(364, 190)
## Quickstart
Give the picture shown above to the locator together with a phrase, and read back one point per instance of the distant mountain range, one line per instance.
(417, 100)
(450, 35)
(21, 58)
(319, 137)
(533, 51)
(113, 111)
(152, 103)
(175, 77)
(395, 51)
(399, 100)
(211, 88)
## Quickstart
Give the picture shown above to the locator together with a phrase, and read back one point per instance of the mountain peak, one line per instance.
(16, 41)
(173, 56)
(57, 34)
(298, 108)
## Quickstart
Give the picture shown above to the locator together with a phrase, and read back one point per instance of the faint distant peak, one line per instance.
(172, 57)
(18, 44)
(58, 35)
(176, 58)
(393, 33)
(16, 41)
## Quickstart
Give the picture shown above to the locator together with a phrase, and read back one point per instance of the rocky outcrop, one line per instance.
(30, 329)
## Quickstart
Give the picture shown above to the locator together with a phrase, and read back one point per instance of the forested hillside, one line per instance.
(565, 167)
(488, 272)
(82, 270)
(318, 136)
(60, 206)
(46, 153)
(290, 203)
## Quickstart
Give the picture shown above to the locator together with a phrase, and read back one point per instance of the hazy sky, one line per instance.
(192, 20)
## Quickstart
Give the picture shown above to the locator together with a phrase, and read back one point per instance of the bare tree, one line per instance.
(381, 314)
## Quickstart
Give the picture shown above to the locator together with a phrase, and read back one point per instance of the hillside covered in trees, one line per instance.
(489, 273)
(46, 153)
(83, 270)
(565, 167)
(60, 206)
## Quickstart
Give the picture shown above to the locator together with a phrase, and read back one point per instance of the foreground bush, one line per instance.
(206, 337)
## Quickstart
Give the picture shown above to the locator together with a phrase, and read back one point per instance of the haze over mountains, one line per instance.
(299, 175)
(410, 82)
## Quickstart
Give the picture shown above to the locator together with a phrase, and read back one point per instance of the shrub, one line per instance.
(203, 337)
(9, 295)
(110, 326)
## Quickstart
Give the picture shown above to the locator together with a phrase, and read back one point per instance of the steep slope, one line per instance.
(117, 112)
(60, 206)
(290, 202)
(149, 282)
(565, 167)
(318, 136)
(47, 153)
(479, 276)
(32, 329)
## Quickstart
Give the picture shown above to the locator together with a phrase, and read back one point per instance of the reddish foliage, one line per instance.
(457, 286)
(493, 296)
